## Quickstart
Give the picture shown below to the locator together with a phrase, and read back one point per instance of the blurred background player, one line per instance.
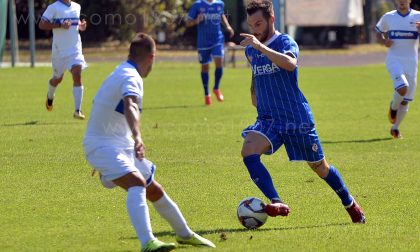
(63, 18)
(284, 115)
(113, 146)
(399, 31)
(208, 16)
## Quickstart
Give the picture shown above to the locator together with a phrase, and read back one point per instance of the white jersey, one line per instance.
(65, 42)
(107, 124)
(401, 29)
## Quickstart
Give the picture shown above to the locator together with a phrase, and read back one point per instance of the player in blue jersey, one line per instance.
(208, 16)
(399, 31)
(284, 115)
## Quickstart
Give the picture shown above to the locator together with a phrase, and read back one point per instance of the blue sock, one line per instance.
(260, 176)
(205, 80)
(335, 181)
(218, 73)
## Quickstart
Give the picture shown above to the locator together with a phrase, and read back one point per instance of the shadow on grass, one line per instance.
(225, 231)
(32, 123)
(174, 107)
(358, 141)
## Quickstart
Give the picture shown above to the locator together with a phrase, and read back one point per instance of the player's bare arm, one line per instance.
(193, 22)
(284, 61)
(45, 25)
(82, 25)
(227, 26)
(384, 40)
(132, 115)
(253, 94)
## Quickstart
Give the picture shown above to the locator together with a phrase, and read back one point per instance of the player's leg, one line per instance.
(169, 210)
(76, 72)
(58, 65)
(333, 178)
(257, 142)
(135, 185)
(117, 167)
(218, 56)
(400, 88)
(403, 108)
(305, 146)
(205, 59)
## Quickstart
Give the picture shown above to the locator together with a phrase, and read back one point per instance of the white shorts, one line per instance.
(61, 64)
(403, 75)
(113, 163)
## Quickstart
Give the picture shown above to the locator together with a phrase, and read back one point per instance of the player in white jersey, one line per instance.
(399, 31)
(113, 146)
(63, 18)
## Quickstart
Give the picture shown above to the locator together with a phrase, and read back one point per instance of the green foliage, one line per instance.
(49, 201)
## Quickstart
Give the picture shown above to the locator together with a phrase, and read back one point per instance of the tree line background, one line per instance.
(117, 20)
(120, 19)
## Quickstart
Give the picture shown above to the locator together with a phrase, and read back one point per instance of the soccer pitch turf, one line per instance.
(49, 201)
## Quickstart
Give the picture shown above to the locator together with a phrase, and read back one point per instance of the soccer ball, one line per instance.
(251, 213)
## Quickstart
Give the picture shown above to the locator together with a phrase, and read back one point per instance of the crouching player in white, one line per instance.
(114, 147)
(399, 31)
(63, 18)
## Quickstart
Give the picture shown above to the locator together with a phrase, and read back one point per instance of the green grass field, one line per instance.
(49, 201)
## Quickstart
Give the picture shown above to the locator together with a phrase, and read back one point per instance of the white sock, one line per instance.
(78, 97)
(139, 213)
(51, 91)
(402, 111)
(171, 213)
(396, 101)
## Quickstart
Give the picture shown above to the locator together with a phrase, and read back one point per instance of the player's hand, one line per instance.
(250, 40)
(82, 25)
(139, 148)
(200, 18)
(230, 31)
(66, 24)
(388, 42)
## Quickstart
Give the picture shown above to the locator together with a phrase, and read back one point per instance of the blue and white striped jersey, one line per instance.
(401, 29)
(65, 42)
(107, 123)
(277, 91)
(209, 31)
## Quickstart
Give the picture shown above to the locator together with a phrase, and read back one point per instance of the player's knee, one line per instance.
(154, 191)
(205, 68)
(56, 80)
(321, 168)
(402, 91)
(247, 150)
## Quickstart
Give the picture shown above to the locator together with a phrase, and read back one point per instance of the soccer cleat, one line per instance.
(218, 94)
(392, 115)
(276, 208)
(395, 133)
(49, 104)
(79, 115)
(158, 246)
(196, 240)
(207, 100)
(356, 213)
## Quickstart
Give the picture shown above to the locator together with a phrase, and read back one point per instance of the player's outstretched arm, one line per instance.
(285, 61)
(132, 115)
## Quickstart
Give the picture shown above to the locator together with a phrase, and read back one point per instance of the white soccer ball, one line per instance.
(251, 213)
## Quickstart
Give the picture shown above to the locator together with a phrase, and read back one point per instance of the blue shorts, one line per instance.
(205, 56)
(300, 146)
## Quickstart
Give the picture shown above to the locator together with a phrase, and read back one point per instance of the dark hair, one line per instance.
(141, 46)
(265, 6)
